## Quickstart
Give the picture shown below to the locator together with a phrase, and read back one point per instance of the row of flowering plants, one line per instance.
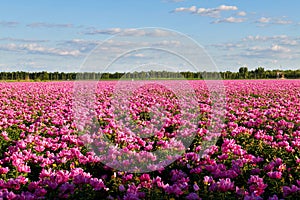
(48, 151)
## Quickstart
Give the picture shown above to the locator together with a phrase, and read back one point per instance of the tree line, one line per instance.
(243, 73)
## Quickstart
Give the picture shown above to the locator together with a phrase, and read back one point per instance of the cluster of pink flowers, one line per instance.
(53, 145)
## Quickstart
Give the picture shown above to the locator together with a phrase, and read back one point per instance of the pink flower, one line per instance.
(207, 180)
(97, 184)
(196, 187)
(5, 136)
(11, 195)
(145, 177)
(122, 188)
(289, 190)
(40, 192)
(66, 189)
(275, 175)
(223, 185)
(257, 185)
(274, 197)
(4, 170)
(193, 196)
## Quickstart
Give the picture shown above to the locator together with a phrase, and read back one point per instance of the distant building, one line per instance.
(280, 75)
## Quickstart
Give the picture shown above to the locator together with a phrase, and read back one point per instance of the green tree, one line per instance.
(243, 72)
(260, 72)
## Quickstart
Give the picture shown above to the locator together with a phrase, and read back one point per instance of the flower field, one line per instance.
(47, 151)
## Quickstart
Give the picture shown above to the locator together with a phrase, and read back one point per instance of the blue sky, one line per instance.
(58, 35)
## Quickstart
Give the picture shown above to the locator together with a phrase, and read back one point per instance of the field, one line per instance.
(51, 149)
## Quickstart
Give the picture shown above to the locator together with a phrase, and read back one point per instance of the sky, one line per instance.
(61, 35)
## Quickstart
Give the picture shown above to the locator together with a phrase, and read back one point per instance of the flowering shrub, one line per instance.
(44, 152)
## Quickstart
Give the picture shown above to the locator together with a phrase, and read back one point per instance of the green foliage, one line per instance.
(243, 73)
(13, 133)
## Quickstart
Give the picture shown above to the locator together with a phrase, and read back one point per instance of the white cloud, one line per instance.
(132, 44)
(274, 48)
(38, 49)
(49, 25)
(183, 9)
(242, 14)
(226, 8)
(260, 48)
(282, 21)
(278, 48)
(9, 23)
(210, 12)
(230, 20)
(256, 48)
(263, 21)
(290, 42)
(82, 45)
(173, 1)
(81, 41)
(264, 38)
(256, 42)
(137, 55)
(22, 40)
(279, 39)
(128, 32)
(168, 43)
(228, 46)
(261, 53)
